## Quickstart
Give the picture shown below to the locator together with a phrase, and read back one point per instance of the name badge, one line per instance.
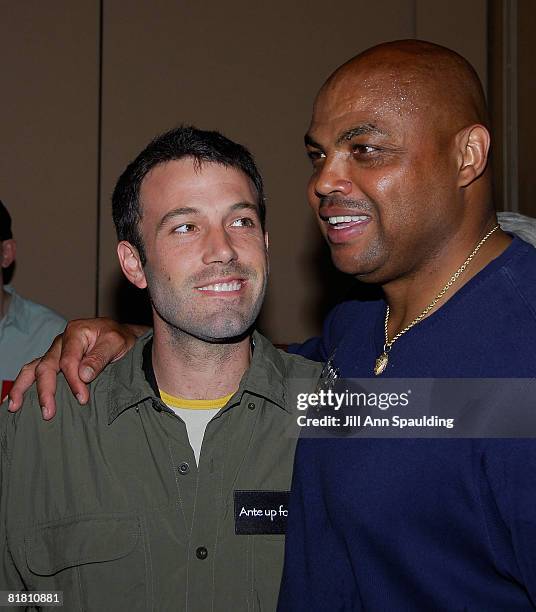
(260, 512)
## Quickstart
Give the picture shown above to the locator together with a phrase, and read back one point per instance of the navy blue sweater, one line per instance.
(422, 524)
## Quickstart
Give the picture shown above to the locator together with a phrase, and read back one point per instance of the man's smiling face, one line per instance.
(207, 266)
(384, 177)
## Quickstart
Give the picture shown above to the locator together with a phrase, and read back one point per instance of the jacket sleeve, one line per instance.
(317, 575)
(9, 577)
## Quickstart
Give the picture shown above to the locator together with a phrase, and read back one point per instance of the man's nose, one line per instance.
(332, 177)
(219, 247)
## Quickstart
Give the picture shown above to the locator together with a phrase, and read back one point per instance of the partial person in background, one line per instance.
(26, 328)
(518, 224)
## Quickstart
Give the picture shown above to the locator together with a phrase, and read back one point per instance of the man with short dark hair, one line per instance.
(162, 495)
(26, 328)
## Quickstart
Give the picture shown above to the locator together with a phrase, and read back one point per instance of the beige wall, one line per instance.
(248, 71)
(48, 147)
(512, 49)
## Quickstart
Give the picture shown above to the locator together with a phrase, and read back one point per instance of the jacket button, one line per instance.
(201, 553)
(251, 406)
(184, 468)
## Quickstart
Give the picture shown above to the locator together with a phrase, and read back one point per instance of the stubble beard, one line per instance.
(184, 323)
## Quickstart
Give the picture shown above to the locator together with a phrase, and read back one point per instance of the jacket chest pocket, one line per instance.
(98, 562)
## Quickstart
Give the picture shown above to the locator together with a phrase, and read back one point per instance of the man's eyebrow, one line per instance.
(245, 206)
(309, 142)
(190, 210)
(360, 130)
(185, 210)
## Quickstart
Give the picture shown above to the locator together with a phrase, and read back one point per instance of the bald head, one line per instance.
(416, 77)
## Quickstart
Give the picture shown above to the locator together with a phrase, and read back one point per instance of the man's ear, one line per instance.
(130, 262)
(9, 251)
(266, 240)
(473, 147)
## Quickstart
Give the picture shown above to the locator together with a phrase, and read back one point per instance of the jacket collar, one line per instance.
(132, 378)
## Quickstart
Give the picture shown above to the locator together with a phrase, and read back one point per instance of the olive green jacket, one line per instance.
(106, 503)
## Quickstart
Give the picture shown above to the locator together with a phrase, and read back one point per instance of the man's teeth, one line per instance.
(234, 286)
(346, 219)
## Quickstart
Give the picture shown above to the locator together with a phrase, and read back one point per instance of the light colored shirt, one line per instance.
(196, 415)
(26, 332)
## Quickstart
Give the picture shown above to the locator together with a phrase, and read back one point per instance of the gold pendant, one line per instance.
(381, 364)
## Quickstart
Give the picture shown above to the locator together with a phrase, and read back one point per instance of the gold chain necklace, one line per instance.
(383, 359)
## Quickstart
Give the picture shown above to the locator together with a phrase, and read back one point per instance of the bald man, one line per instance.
(401, 189)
